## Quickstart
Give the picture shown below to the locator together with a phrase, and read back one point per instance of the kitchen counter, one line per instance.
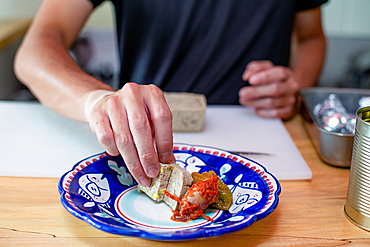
(310, 212)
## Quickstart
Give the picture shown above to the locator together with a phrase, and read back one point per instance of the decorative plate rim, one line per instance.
(271, 204)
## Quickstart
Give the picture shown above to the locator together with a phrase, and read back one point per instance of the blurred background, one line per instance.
(346, 24)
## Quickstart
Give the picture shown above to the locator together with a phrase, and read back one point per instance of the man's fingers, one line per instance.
(135, 122)
(272, 91)
(100, 124)
(124, 140)
(140, 127)
(254, 67)
(270, 103)
(275, 89)
(161, 118)
(277, 73)
(104, 133)
(282, 112)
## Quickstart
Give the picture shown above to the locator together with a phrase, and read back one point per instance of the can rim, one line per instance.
(360, 112)
(353, 221)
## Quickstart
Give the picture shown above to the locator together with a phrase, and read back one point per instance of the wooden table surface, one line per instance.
(12, 30)
(310, 213)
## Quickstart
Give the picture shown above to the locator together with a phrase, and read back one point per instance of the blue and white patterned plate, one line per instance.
(101, 191)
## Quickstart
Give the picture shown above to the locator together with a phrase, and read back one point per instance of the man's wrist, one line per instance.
(92, 98)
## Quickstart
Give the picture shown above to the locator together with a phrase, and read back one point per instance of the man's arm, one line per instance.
(308, 57)
(135, 121)
(44, 65)
(274, 89)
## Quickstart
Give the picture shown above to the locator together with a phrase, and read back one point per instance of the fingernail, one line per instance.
(173, 159)
(144, 181)
(166, 157)
(254, 79)
(245, 76)
(152, 172)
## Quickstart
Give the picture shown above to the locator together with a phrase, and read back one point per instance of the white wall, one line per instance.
(347, 18)
(340, 17)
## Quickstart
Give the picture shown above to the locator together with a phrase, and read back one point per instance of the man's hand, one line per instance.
(273, 90)
(135, 122)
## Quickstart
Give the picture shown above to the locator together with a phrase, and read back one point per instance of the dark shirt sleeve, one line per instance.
(96, 2)
(308, 4)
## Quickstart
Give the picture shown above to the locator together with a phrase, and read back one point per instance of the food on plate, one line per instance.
(225, 196)
(173, 178)
(172, 187)
(188, 111)
(179, 182)
(198, 197)
(159, 183)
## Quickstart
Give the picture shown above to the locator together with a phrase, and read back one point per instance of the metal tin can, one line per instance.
(357, 208)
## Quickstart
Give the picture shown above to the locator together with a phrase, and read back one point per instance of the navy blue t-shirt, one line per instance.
(202, 46)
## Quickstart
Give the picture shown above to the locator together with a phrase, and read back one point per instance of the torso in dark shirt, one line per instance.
(202, 46)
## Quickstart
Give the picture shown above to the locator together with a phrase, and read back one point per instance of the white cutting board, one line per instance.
(37, 142)
(236, 128)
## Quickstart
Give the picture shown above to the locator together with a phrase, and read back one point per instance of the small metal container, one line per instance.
(333, 148)
(357, 208)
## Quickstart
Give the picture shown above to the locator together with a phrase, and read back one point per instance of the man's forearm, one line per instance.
(47, 69)
(309, 50)
(309, 61)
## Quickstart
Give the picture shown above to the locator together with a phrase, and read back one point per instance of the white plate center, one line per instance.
(140, 210)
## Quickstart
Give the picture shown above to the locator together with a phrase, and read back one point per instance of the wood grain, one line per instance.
(310, 213)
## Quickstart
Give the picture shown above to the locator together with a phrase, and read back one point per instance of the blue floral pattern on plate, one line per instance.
(101, 191)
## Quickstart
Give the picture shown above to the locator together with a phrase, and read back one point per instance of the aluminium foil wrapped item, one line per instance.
(364, 101)
(334, 117)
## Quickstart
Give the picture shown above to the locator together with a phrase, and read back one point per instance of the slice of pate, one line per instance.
(172, 178)
(178, 184)
(159, 183)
